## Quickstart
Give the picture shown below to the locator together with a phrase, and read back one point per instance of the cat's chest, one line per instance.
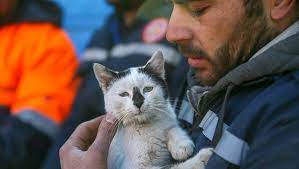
(144, 136)
(146, 145)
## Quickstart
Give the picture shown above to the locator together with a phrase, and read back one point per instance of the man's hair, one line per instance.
(255, 8)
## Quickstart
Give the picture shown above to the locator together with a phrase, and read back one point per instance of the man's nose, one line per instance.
(178, 29)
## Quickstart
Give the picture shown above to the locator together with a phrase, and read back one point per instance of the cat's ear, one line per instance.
(103, 75)
(156, 64)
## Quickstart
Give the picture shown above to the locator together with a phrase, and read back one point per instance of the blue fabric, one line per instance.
(21, 145)
(82, 17)
(37, 11)
(266, 116)
(261, 111)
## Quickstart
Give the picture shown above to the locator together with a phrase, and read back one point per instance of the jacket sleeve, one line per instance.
(46, 84)
(275, 144)
(21, 145)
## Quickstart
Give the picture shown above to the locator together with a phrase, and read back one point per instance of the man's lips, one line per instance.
(196, 62)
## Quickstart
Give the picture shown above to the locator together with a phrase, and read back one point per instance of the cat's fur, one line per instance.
(148, 136)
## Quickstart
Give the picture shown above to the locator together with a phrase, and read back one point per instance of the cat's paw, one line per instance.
(204, 155)
(182, 150)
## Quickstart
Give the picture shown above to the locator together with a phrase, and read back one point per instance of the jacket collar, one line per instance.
(278, 56)
(292, 30)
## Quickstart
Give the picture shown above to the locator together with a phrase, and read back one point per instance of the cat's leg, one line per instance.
(199, 161)
(179, 144)
(116, 155)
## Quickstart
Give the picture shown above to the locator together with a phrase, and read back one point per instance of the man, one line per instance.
(243, 85)
(124, 41)
(37, 85)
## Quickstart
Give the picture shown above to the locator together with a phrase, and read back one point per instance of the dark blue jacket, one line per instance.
(251, 115)
(37, 11)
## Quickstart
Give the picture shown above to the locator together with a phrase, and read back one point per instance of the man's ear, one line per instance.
(103, 75)
(281, 8)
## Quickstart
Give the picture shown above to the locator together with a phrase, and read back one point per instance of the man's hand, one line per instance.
(88, 146)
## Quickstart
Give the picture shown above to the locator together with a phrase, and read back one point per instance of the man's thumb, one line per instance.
(106, 132)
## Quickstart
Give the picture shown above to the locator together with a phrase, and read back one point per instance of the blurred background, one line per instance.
(47, 84)
(82, 17)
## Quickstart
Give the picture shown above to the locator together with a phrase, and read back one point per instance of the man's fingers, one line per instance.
(85, 134)
(106, 132)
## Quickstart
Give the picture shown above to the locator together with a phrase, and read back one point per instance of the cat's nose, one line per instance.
(138, 99)
(138, 104)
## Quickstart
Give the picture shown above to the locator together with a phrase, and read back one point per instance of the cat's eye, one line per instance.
(124, 94)
(147, 89)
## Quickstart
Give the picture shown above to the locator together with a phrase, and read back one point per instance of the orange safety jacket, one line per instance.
(37, 66)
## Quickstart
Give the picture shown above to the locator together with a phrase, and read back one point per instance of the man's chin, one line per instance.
(206, 78)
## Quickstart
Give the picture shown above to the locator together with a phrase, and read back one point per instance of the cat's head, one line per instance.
(135, 95)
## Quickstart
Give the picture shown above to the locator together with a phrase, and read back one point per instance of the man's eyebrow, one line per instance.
(184, 1)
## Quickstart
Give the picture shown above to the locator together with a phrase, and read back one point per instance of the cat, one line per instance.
(148, 135)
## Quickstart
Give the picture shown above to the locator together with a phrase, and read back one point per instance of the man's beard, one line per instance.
(250, 35)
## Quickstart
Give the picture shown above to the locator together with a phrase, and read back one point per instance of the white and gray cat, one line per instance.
(148, 136)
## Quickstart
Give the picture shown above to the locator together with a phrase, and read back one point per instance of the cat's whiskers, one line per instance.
(119, 120)
(123, 115)
(167, 100)
(163, 104)
(160, 102)
(165, 166)
(118, 117)
(159, 105)
(159, 109)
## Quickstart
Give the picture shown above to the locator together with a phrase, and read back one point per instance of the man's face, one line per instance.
(216, 35)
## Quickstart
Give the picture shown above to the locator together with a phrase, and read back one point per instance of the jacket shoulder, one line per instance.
(275, 128)
(275, 104)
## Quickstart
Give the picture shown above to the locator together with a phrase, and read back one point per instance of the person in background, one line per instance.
(243, 87)
(124, 41)
(37, 84)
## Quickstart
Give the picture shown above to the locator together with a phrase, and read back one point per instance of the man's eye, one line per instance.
(198, 12)
(124, 94)
(147, 89)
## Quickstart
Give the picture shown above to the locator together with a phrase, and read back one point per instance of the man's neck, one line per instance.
(291, 30)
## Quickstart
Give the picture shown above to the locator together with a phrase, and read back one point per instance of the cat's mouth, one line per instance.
(139, 112)
(138, 118)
